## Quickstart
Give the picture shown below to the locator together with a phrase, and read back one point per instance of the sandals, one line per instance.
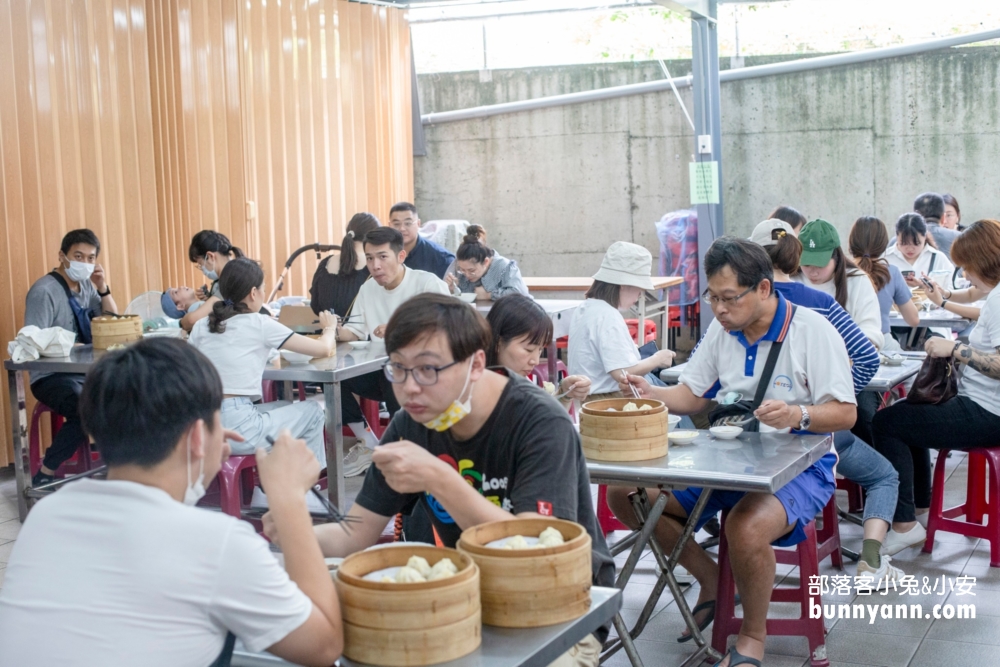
(737, 658)
(709, 605)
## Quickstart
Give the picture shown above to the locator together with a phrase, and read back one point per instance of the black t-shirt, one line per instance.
(334, 291)
(526, 458)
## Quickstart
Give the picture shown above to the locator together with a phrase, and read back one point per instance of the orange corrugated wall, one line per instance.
(148, 120)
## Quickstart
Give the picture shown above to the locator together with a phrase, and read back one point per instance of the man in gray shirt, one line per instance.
(931, 206)
(69, 297)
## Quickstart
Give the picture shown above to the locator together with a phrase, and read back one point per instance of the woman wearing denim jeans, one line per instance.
(906, 432)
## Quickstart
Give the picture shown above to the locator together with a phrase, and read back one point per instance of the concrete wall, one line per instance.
(555, 187)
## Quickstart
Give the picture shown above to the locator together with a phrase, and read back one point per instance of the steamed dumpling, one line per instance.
(420, 564)
(408, 575)
(443, 569)
(611, 410)
(387, 580)
(550, 537)
(516, 542)
(630, 407)
(550, 387)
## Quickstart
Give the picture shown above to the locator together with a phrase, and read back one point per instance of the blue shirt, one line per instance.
(861, 351)
(429, 256)
(894, 291)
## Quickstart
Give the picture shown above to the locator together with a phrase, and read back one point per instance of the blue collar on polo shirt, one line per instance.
(777, 331)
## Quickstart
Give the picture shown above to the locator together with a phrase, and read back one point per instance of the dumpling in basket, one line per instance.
(420, 564)
(407, 575)
(443, 569)
(516, 542)
(550, 537)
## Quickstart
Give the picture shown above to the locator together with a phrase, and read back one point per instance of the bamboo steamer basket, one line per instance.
(408, 625)
(108, 330)
(623, 436)
(531, 587)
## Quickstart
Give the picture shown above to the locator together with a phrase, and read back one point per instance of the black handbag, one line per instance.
(730, 415)
(936, 381)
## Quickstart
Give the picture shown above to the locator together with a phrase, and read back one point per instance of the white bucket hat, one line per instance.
(763, 234)
(626, 264)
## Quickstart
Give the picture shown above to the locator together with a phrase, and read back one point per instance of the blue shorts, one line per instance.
(803, 498)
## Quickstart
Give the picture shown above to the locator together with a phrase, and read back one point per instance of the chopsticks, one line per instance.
(331, 509)
(635, 392)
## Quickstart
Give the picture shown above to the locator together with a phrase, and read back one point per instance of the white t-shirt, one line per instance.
(985, 337)
(862, 304)
(812, 368)
(375, 304)
(599, 342)
(923, 263)
(119, 573)
(241, 351)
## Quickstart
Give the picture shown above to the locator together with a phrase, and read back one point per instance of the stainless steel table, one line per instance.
(561, 313)
(755, 462)
(937, 317)
(504, 647)
(885, 378)
(347, 363)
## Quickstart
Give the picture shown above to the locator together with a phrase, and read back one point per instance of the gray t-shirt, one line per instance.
(46, 306)
(943, 237)
(894, 292)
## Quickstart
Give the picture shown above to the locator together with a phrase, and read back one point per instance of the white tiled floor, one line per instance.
(850, 643)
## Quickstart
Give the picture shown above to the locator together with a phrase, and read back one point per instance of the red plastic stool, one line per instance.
(369, 409)
(236, 483)
(605, 517)
(813, 629)
(828, 540)
(855, 495)
(82, 461)
(980, 501)
(650, 331)
(541, 372)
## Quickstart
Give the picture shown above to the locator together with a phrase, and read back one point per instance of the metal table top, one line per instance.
(559, 310)
(885, 378)
(347, 363)
(938, 317)
(762, 462)
(504, 647)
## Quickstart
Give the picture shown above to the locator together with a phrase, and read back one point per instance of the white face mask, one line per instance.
(211, 275)
(79, 271)
(194, 492)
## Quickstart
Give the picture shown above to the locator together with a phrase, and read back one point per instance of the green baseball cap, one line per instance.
(819, 239)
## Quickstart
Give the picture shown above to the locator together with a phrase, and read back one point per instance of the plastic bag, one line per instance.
(32, 343)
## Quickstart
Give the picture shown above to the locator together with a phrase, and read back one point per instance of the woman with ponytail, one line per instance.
(210, 250)
(336, 282)
(238, 340)
(480, 269)
(867, 244)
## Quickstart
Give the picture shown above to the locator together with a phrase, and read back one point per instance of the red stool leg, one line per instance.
(992, 457)
(725, 623)
(605, 517)
(937, 513)
(976, 503)
(829, 538)
(229, 488)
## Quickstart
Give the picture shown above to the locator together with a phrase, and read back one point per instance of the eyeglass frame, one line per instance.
(726, 300)
(408, 371)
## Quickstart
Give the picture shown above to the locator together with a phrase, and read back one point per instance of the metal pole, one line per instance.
(708, 135)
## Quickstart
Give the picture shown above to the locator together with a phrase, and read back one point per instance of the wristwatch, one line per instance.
(806, 421)
(104, 294)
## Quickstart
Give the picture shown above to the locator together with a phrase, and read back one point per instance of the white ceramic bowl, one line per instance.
(672, 422)
(894, 360)
(295, 357)
(468, 297)
(725, 432)
(359, 344)
(683, 437)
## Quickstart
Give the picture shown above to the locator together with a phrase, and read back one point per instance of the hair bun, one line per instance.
(475, 234)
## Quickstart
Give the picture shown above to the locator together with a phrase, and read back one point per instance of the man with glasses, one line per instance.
(810, 390)
(471, 445)
(421, 254)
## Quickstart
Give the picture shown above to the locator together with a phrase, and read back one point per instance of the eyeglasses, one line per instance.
(425, 375)
(713, 300)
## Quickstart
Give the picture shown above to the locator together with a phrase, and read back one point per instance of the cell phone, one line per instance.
(927, 283)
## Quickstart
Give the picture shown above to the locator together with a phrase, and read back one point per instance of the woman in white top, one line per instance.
(915, 255)
(905, 432)
(238, 340)
(825, 267)
(600, 345)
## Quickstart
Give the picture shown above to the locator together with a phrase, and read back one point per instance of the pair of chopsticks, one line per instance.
(334, 514)
(635, 392)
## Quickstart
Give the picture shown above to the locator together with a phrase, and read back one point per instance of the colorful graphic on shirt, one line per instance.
(782, 382)
(474, 478)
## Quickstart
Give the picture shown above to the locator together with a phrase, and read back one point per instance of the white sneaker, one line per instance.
(879, 578)
(922, 519)
(896, 542)
(357, 460)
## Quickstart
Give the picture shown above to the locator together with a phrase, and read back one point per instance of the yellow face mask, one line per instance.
(455, 412)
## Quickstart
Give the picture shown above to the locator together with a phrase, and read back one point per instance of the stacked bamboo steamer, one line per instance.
(624, 436)
(108, 330)
(411, 624)
(534, 587)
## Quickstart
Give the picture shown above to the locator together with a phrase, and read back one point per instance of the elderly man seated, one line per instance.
(809, 390)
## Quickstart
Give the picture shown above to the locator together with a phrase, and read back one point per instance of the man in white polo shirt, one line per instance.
(125, 571)
(810, 390)
(392, 283)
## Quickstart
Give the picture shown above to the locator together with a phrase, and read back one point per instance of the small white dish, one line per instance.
(894, 360)
(726, 432)
(468, 297)
(359, 344)
(295, 357)
(682, 437)
(672, 422)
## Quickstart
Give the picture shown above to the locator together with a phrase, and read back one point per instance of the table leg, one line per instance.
(334, 432)
(553, 353)
(19, 431)
(641, 334)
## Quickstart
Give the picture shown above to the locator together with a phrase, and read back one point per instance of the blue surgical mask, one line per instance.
(211, 275)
